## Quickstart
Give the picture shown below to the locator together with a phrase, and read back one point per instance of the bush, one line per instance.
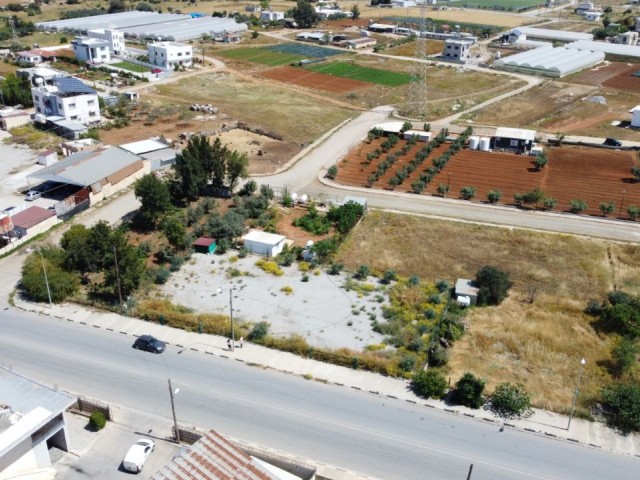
(438, 356)
(335, 268)
(429, 384)
(332, 172)
(577, 206)
(509, 400)
(97, 421)
(388, 277)
(258, 332)
(623, 401)
(494, 196)
(363, 272)
(624, 356)
(468, 192)
(161, 276)
(493, 285)
(468, 391)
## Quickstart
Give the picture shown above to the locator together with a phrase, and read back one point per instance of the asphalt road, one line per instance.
(381, 437)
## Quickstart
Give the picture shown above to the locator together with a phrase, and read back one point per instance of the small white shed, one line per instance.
(47, 157)
(635, 116)
(264, 243)
(466, 292)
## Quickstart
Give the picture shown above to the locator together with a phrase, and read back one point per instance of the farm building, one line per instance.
(421, 134)
(382, 28)
(550, 35)
(550, 62)
(635, 117)
(205, 245)
(466, 288)
(515, 139)
(33, 220)
(317, 37)
(157, 151)
(47, 157)
(357, 43)
(263, 243)
(610, 49)
(389, 127)
(592, 16)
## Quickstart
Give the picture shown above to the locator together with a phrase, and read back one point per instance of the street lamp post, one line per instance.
(575, 395)
(233, 339)
(173, 392)
(621, 202)
(46, 279)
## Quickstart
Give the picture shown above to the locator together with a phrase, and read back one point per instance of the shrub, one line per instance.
(332, 172)
(442, 286)
(269, 266)
(468, 391)
(494, 196)
(493, 285)
(509, 400)
(624, 356)
(97, 421)
(438, 356)
(363, 272)
(468, 192)
(258, 332)
(633, 212)
(287, 290)
(161, 276)
(577, 206)
(623, 401)
(388, 277)
(335, 268)
(549, 203)
(429, 384)
(593, 308)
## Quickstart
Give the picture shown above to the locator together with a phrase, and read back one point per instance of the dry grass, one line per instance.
(539, 343)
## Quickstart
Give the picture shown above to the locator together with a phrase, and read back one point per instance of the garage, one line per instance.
(264, 243)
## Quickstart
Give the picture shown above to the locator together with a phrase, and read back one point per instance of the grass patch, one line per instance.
(364, 74)
(537, 343)
(263, 56)
(132, 67)
(33, 138)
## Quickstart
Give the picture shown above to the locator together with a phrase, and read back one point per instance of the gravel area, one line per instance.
(321, 309)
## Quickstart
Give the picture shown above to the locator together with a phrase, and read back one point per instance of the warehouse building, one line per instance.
(545, 34)
(550, 62)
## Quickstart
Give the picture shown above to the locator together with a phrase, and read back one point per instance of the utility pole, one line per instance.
(470, 470)
(173, 411)
(233, 338)
(115, 256)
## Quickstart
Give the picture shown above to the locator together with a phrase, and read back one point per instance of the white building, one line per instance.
(592, 16)
(170, 54)
(627, 38)
(68, 98)
(114, 37)
(31, 417)
(91, 50)
(456, 50)
(635, 117)
(264, 243)
(271, 16)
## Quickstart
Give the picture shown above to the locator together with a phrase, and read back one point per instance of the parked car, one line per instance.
(137, 455)
(612, 142)
(156, 70)
(32, 195)
(149, 344)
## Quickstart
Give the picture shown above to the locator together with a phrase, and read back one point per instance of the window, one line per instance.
(514, 143)
(60, 106)
(91, 102)
(72, 105)
(74, 117)
(92, 114)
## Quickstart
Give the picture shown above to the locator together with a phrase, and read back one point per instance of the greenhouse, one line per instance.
(187, 29)
(550, 62)
(609, 48)
(114, 21)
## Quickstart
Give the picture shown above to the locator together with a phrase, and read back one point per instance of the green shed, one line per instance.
(205, 245)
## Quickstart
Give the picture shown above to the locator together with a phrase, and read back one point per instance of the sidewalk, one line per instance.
(543, 423)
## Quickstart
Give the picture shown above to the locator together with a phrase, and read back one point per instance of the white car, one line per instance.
(137, 455)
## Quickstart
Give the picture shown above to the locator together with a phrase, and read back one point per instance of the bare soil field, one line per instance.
(614, 75)
(305, 78)
(539, 342)
(590, 174)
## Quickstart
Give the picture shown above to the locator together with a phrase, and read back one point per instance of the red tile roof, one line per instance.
(31, 216)
(204, 242)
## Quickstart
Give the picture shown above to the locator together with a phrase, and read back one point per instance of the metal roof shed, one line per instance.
(466, 288)
(205, 245)
(264, 243)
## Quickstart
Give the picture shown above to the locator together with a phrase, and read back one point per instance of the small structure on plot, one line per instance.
(357, 43)
(47, 157)
(11, 117)
(421, 134)
(264, 243)
(516, 139)
(388, 128)
(33, 220)
(635, 117)
(206, 245)
(466, 292)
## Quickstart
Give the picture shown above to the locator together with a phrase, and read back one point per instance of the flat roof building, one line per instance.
(91, 50)
(170, 54)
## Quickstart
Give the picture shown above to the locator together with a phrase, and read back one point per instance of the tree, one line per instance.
(355, 12)
(154, 198)
(577, 206)
(624, 402)
(534, 197)
(443, 188)
(62, 284)
(363, 272)
(236, 166)
(494, 196)
(560, 138)
(633, 211)
(16, 91)
(191, 173)
(518, 198)
(99, 244)
(117, 6)
(78, 256)
(305, 15)
(635, 171)
(123, 266)
(468, 391)
(229, 226)
(332, 172)
(429, 384)
(175, 231)
(510, 401)
(606, 208)
(248, 189)
(541, 160)
(549, 203)
(468, 192)
(493, 285)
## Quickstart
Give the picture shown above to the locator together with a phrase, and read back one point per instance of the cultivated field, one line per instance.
(589, 174)
(508, 5)
(281, 54)
(352, 71)
(613, 75)
(304, 78)
(538, 343)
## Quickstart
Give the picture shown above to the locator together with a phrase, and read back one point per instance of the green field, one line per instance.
(132, 67)
(260, 55)
(364, 74)
(498, 4)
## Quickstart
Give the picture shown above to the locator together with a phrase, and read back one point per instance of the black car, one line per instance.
(612, 142)
(149, 344)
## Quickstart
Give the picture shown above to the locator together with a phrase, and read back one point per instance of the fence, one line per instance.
(87, 406)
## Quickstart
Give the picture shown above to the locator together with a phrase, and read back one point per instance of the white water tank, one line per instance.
(498, 54)
(303, 198)
(463, 300)
(473, 142)
(484, 144)
(294, 197)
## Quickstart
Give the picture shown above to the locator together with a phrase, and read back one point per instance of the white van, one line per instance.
(137, 455)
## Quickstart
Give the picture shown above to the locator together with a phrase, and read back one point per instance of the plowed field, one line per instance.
(305, 78)
(615, 75)
(590, 174)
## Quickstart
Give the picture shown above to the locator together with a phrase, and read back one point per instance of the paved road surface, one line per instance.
(380, 437)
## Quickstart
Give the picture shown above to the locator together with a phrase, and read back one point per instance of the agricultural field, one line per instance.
(505, 5)
(560, 106)
(260, 105)
(537, 342)
(276, 55)
(364, 74)
(618, 75)
(589, 174)
(434, 47)
(302, 77)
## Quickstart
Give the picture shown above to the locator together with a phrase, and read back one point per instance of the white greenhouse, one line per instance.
(550, 62)
(609, 48)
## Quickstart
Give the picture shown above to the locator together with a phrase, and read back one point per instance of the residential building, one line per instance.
(32, 419)
(592, 16)
(30, 56)
(41, 75)
(170, 54)
(68, 98)
(91, 50)
(271, 16)
(114, 37)
(456, 50)
(627, 38)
